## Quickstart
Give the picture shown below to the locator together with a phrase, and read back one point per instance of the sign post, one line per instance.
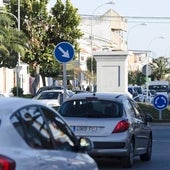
(64, 53)
(160, 102)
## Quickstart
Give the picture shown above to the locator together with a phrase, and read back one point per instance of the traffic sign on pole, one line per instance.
(64, 52)
(160, 102)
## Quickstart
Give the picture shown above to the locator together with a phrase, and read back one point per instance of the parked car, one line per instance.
(2, 95)
(47, 88)
(134, 93)
(34, 136)
(114, 122)
(139, 90)
(151, 94)
(52, 97)
(80, 91)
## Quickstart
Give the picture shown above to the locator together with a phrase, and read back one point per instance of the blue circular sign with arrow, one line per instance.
(160, 102)
(64, 52)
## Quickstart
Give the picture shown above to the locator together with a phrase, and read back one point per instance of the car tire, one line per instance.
(147, 155)
(127, 161)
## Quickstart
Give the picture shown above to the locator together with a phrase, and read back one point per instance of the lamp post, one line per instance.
(91, 38)
(131, 28)
(147, 65)
(18, 64)
(18, 23)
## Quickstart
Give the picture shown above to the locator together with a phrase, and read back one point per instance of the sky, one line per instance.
(154, 36)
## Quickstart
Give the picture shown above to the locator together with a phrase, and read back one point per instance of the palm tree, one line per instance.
(12, 42)
(160, 68)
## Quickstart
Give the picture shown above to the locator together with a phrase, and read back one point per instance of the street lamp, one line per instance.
(147, 65)
(91, 38)
(18, 22)
(131, 28)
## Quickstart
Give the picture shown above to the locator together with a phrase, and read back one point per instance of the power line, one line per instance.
(150, 19)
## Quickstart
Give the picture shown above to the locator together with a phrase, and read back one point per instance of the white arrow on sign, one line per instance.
(65, 53)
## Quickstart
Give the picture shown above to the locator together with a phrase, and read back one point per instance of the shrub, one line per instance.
(17, 91)
(149, 108)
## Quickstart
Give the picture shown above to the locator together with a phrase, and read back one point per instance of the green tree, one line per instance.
(136, 77)
(12, 42)
(35, 24)
(90, 65)
(45, 30)
(160, 67)
(64, 24)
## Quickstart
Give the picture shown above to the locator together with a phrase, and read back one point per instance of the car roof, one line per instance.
(47, 88)
(52, 90)
(51, 87)
(101, 95)
(9, 105)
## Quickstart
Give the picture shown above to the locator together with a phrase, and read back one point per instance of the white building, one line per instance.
(101, 33)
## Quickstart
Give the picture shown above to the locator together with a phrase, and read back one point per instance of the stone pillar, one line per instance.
(112, 71)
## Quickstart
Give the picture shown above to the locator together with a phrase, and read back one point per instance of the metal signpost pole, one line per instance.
(64, 53)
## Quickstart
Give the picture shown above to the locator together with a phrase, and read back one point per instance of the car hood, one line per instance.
(34, 159)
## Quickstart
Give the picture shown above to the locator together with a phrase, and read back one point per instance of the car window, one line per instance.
(61, 133)
(129, 109)
(48, 88)
(138, 112)
(31, 126)
(42, 132)
(48, 95)
(91, 108)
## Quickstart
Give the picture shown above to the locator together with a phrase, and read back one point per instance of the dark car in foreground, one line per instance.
(34, 136)
(114, 122)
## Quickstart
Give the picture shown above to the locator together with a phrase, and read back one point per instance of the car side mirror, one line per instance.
(85, 144)
(148, 118)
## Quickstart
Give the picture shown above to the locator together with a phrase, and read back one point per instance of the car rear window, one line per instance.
(49, 95)
(91, 108)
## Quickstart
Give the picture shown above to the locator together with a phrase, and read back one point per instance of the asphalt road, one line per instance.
(160, 154)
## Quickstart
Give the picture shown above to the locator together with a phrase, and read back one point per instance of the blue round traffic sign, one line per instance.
(160, 102)
(64, 52)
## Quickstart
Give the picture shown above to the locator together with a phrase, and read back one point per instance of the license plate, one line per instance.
(84, 129)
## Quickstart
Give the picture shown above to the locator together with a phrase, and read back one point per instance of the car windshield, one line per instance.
(48, 95)
(138, 89)
(91, 108)
(159, 88)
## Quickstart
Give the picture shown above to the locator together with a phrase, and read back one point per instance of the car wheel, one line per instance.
(147, 155)
(127, 161)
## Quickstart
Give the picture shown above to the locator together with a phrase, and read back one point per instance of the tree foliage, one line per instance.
(65, 23)
(12, 42)
(160, 67)
(45, 30)
(136, 77)
(91, 65)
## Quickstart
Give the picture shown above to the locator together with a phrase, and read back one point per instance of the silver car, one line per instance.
(34, 136)
(114, 122)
